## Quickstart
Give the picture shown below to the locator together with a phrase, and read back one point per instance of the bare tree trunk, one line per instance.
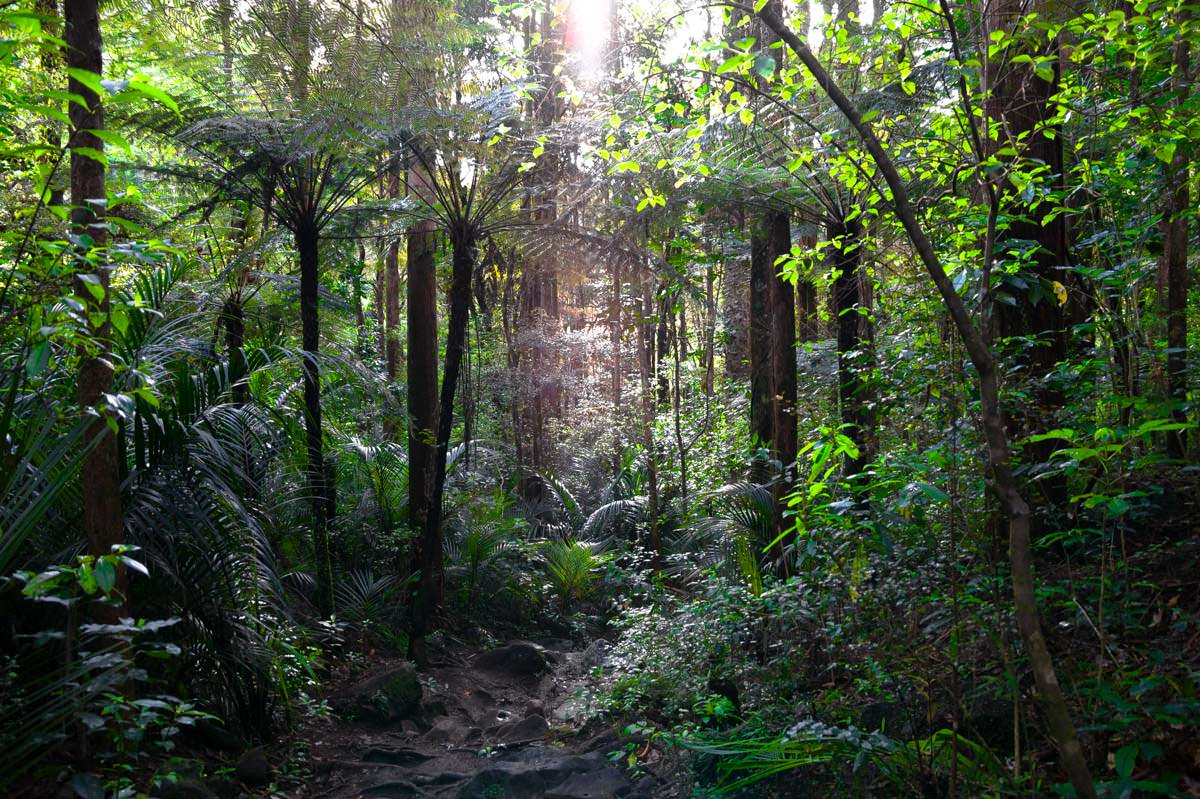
(422, 381)
(616, 330)
(1021, 102)
(646, 356)
(380, 302)
(807, 324)
(320, 491)
(431, 589)
(710, 332)
(662, 348)
(51, 61)
(360, 316)
(761, 275)
(680, 337)
(103, 523)
(1016, 510)
(851, 309)
(782, 320)
(1174, 264)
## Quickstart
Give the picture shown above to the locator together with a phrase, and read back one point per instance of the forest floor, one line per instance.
(507, 723)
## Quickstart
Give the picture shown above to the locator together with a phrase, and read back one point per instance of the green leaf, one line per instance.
(92, 153)
(764, 65)
(733, 63)
(112, 138)
(88, 79)
(106, 575)
(39, 357)
(155, 93)
(1165, 152)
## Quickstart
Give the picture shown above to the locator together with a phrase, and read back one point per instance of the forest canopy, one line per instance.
(580, 398)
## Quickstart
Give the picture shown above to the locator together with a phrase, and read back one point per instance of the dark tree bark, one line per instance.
(234, 316)
(808, 326)
(855, 340)
(773, 331)
(616, 333)
(1016, 510)
(360, 316)
(762, 416)
(710, 332)
(431, 589)
(646, 358)
(782, 320)
(380, 302)
(103, 523)
(1021, 102)
(320, 491)
(51, 62)
(1174, 262)
(422, 382)
(662, 347)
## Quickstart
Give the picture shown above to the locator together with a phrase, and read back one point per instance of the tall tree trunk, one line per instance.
(1174, 264)
(320, 492)
(808, 326)
(710, 332)
(851, 308)
(432, 583)
(234, 317)
(662, 347)
(646, 358)
(762, 416)
(679, 337)
(615, 331)
(782, 319)
(360, 316)
(422, 382)
(380, 302)
(1016, 510)
(51, 61)
(103, 523)
(1020, 101)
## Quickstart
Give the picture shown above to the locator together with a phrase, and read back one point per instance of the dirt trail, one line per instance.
(502, 724)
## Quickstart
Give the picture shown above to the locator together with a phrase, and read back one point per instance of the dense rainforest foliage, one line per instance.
(599, 398)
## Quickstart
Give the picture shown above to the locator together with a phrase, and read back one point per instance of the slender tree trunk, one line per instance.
(1021, 102)
(234, 315)
(51, 61)
(710, 332)
(662, 347)
(1174, 264)
(808, 326)
(380, 303)
(782, 319)
(616, 330)
(360, 316)
(852, 310)
(761, 275)
(646, 356)
(432, 582)
(422, 382)
(679, 338)
(1016, 510)
(308, 248)
(103, 523)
